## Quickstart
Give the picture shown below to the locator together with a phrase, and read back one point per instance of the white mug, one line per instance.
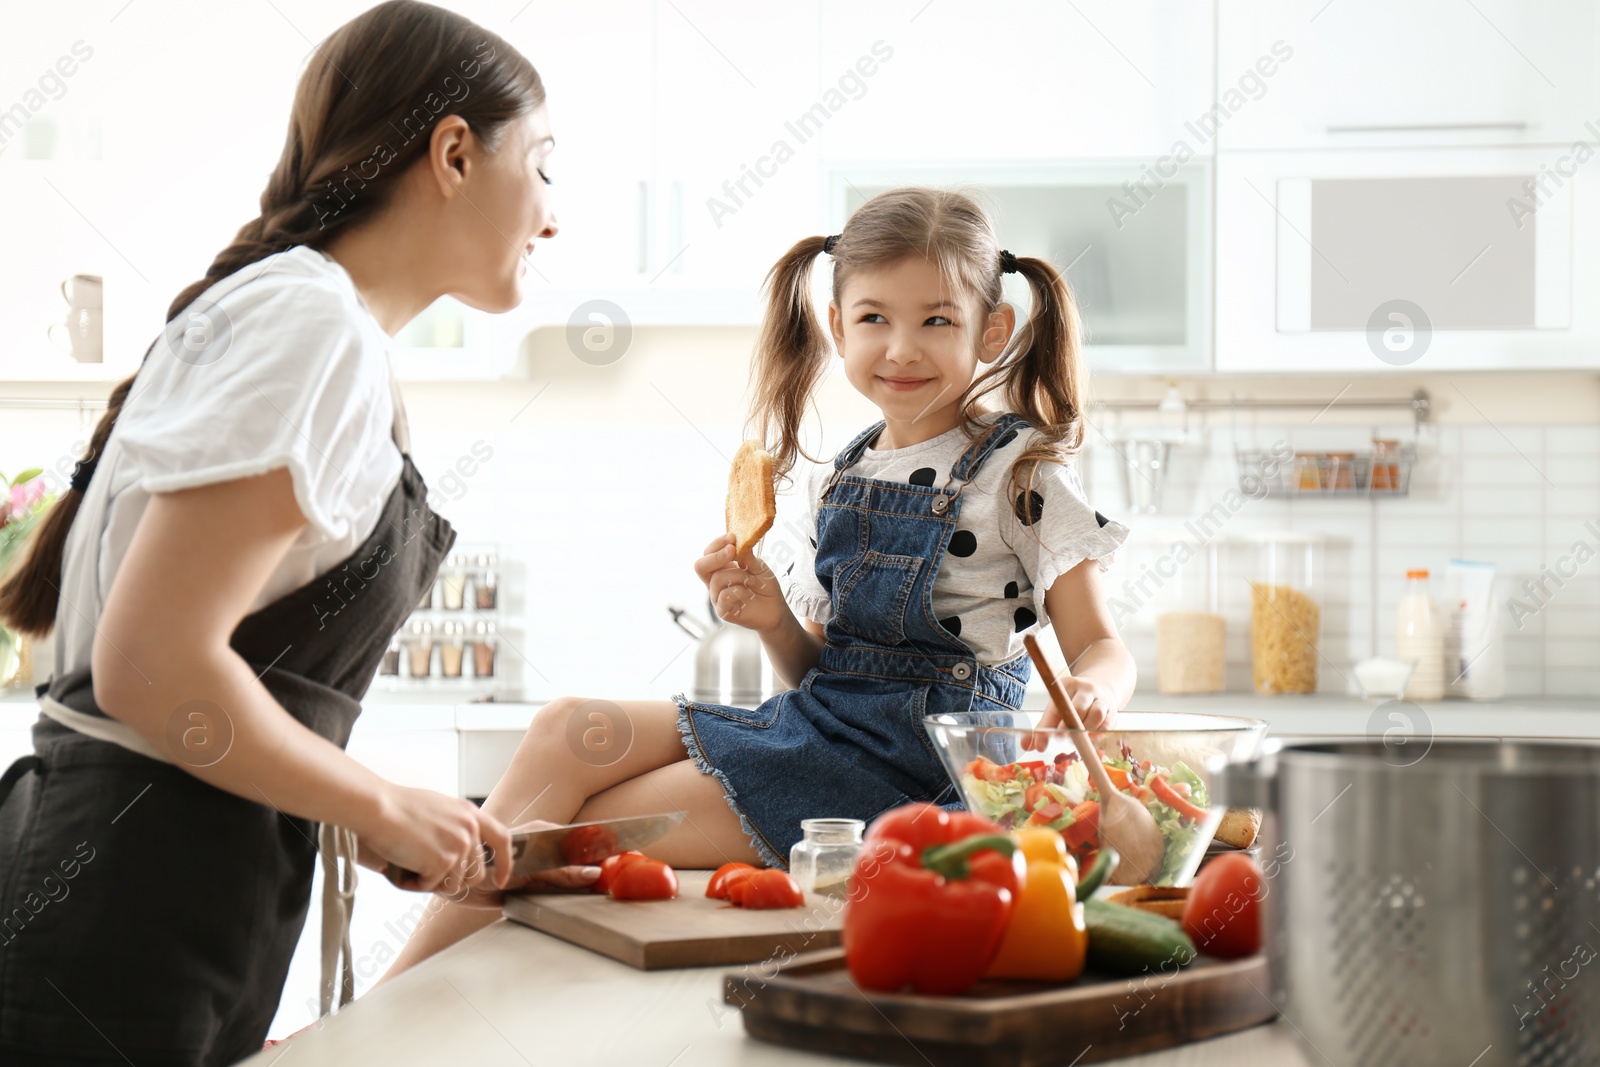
(83, 291)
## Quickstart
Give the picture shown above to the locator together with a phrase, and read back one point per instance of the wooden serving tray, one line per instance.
(812, 1004)
(687, 931)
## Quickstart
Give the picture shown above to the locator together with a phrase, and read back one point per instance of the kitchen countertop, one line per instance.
(509, 996)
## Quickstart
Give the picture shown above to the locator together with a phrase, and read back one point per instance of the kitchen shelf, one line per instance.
(1327, 475)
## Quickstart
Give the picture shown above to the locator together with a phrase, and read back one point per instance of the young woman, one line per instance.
(243, 538)
(941, 535)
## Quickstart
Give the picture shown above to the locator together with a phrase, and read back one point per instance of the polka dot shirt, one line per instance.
(1004, 554)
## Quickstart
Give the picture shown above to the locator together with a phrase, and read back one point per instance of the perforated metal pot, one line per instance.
(1441, 908)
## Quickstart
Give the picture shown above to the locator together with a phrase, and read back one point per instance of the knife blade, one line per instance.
(575, 844)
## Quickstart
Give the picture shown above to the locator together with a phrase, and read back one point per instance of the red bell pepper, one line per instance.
(1035, 769)
(930, 897)
(1046, 813)
(1085, 825)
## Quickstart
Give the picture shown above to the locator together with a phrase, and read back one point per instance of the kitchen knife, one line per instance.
(576, 844)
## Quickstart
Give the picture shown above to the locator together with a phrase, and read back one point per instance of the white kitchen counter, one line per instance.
(509, 996)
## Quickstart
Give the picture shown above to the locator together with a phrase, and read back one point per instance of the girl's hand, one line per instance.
(435, 836)
(1094, 702)
(744, 591)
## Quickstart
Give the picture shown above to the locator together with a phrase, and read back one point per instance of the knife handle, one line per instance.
(400, 875)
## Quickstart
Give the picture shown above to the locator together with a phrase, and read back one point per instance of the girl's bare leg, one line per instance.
(577, 749)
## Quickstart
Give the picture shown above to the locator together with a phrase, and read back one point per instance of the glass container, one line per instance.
(419, 649)
(452, 646)
(1285, 610)
(485, 582)
(821, 860)
(390, 664)
(453, 582)
(1191, 635)
(484, 647)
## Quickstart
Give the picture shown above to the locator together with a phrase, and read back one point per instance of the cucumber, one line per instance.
(1126, 940)
(1096, 875)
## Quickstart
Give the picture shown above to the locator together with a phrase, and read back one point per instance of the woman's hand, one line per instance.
(744, 591)
(1095, 703)
(439, 838)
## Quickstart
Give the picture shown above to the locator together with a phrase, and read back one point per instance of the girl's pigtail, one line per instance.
(1046, 380)
(791, 355)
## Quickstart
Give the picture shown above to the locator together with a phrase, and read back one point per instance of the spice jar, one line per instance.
(1385, 466)
(821, 860)
(1308, 472)
(390, 664)
(453, 582)
(1191, 636)
(484, 645)
(1285, 611)
(485, 587)
(1342, 471)
(419, 648)
(427, 597)
(452, 644)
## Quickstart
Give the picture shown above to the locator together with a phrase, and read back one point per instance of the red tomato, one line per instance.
(1223, 913)
(1085, 825)
(717, 888)
(1034, 768)
(610, 866)
(645, 879)
(588, 845)
(769, 888)
(1036, 792)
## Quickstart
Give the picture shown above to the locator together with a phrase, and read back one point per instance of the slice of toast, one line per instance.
(752, 501)
(1239, 827)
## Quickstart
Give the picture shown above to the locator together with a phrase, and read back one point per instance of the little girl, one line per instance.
(940, 536)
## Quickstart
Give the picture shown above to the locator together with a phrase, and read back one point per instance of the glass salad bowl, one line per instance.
(1166, 759)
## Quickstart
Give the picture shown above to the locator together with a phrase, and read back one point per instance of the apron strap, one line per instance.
(335, 843)
(23, 766)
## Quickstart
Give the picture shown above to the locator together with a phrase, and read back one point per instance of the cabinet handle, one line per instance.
(644, 227)
(1429, 126)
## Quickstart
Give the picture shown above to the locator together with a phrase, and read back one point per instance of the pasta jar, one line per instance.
(1191, 635)
(1285, 611)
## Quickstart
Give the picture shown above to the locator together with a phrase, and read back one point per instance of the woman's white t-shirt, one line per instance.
(1005, 553)
(277, 365)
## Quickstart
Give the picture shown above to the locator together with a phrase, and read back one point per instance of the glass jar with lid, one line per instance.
(1285, 610)
(485, 646)
(453, 582)
(1191, 634)
(821, 861)
(485, 583)
(419, 648)
(452, 647)
(390, 664)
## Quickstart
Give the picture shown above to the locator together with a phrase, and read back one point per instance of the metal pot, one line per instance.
(1432, 903)
(730, 664)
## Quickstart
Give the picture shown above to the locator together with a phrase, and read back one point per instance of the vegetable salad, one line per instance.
(1059, 795)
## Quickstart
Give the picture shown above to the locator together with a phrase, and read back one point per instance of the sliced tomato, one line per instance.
(1085, 825)
(1034, 768)
(610, 866)
(984, 769)
(1036, 792)
(1047, 813)
(1169, 796)
(588, 844)
(717, 888)
(645, 879)
(770, 888)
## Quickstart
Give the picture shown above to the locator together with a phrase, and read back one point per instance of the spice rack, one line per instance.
(451, 643)
(1382, 471)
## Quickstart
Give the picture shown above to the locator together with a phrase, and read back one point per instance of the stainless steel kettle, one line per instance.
(730, 664)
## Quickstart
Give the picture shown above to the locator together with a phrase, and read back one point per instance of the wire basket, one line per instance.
(1374, 472)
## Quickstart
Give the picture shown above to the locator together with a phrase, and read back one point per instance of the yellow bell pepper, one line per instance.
(1047, 938)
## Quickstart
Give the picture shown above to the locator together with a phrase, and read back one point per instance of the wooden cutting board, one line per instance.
(688, 931)
(811, 1004)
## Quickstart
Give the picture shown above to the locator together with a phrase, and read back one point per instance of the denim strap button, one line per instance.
(961, 671)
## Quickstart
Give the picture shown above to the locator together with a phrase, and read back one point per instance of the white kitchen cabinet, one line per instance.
(1416, 260)
(1032, 80)
(1373, 73)
(1138, 259)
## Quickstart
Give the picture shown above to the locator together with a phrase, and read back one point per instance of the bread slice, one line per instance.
(752, 501)
(1156, 899)
(1239, 827)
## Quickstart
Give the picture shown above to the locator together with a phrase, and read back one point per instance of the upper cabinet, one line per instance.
(1377, 74)
(1031, 80)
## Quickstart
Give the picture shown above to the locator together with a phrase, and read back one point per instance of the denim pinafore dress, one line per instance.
(849, 743)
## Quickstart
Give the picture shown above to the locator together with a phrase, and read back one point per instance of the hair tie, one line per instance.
(1008, 262)
(830, 243)
(82, 471)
